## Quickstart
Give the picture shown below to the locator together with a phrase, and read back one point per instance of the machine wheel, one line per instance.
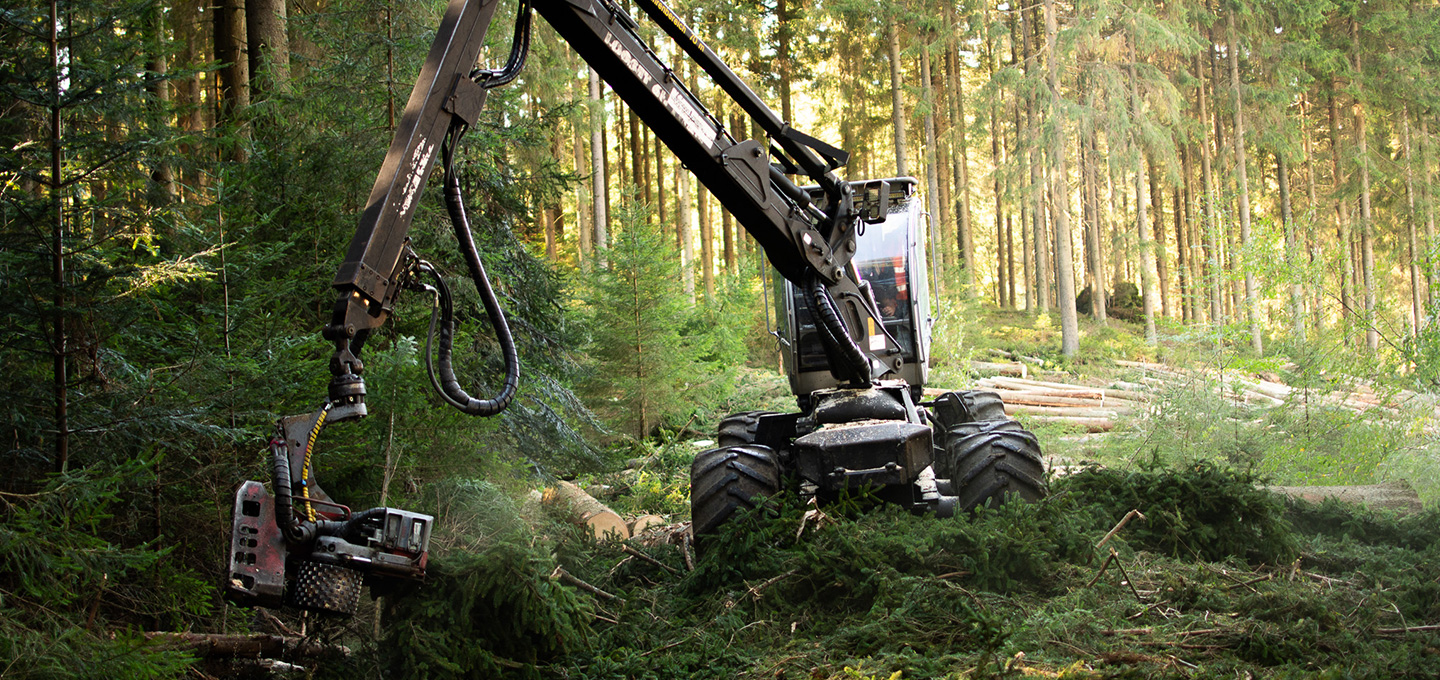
(738, 429)
(728, 479)
(956, 408)
(993, 459)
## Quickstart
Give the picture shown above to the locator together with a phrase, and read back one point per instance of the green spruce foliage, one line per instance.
(636, 313)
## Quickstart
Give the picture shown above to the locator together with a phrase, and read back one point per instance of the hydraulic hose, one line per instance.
(833, 328)
(296, 531)
(448, 384)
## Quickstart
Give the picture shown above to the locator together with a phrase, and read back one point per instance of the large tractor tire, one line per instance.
(728, 480)
(738, 429)
(992, 461)
(954, 409)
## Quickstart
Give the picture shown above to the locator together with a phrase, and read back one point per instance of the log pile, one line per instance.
(1094, 409)
(1097, 408)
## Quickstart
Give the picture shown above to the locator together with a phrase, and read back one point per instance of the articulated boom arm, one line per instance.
(807, 243)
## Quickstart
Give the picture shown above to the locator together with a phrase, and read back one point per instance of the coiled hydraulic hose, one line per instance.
(447, 384)
(833, 329)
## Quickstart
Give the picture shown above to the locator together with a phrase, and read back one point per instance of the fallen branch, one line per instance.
(1128, 580)
(755, 591)
(1247, 584)
(646, 558)
(565, 576)
(1103, 566)
(1407, 629)
(1123, 521)
(685, 552)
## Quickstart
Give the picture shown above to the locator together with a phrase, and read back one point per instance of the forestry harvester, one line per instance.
(855, 333)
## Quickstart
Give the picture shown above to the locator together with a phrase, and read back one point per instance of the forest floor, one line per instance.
(1169, 546)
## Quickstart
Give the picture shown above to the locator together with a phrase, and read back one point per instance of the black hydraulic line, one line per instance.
(519, 49)
(449, 385)
(296, 532)
(828, 318)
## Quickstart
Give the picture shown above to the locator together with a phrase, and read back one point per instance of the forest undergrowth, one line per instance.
(1218, 578)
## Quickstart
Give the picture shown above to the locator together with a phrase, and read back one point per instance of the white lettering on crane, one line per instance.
(418, 162)
(673, 99)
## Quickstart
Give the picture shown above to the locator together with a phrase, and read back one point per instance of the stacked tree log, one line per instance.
(1267, 390)
(1094, 409)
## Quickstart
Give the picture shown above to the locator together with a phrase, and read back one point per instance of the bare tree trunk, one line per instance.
(269, 47)
(783, 56)
(1342, 221)
(897, 106)
(584, 207)
(234, 71)
(1097, 230)
(1004, 265)
(1417, 304)
(1207, 203)
(707, 242)
(59, 348)
(1157, 203)
(1431, 273)
(1292, 253)
(1184, 260)
(684, 224)
(1147, 277)
(961, 156)
(1060, 199)
(1367, 226)
(1312, 214)
(1037, 183)
(1242, 190)
(600, 220)
(932, 174)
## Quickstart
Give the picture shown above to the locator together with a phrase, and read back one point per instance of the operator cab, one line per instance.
(890, 260)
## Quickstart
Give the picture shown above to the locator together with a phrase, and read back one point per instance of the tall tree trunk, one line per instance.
(584, 212)
(1292, 250)
(897, 106)
(157, 48)
(961, 156)
(1342, 215)
(1060, 199)
(783, 30)
(1367, 225)
(269, 47)
(234, 71)
(1003, 264)
(1097, 230)
(660, 182)
(684, 226)
(1147, 276)
(707, 243)
(1207, 203)
(1429, 198)
(600, 219)
(59, 347)
(1312, 215)
(1417, 304)
(1162, 268)
(1038, 241)
(932, 174)
(1242, 184)
(1184, 260)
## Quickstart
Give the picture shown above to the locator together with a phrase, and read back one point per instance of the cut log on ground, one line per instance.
(216, 646)
(1398, 495)
(582, 508)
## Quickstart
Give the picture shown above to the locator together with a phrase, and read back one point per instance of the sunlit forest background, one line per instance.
(1221, 181)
